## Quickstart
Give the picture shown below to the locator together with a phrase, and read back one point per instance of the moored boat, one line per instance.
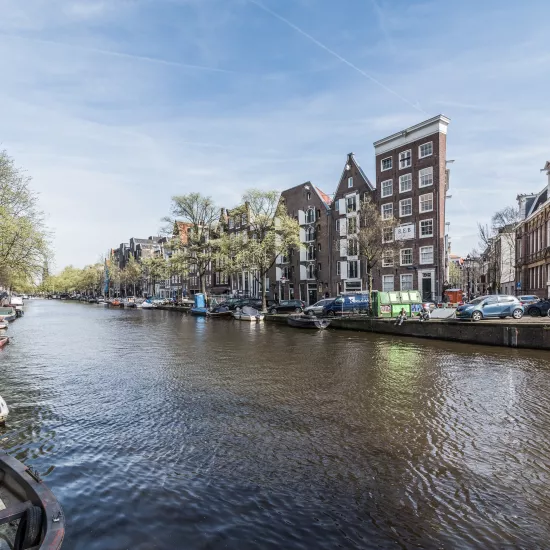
(115, 303)
(4, 340)
(24, 497)
(299, 321)
(4, 325)
(199, 309)
(7, 314)
(222, 312)
(251, 314)
(146, 305)
(4, 411)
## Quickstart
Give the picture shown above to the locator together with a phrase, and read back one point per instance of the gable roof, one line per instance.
(352, 162)
(324, 197)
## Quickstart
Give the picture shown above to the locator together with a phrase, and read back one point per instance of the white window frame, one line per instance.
(401, 281)
(353, 200)
(402, 157)
(402, 204)
(382, 189)
(421, 209)
(338, 270)
(384, 214)
(352, 221)
(409, 179)
(338, 225)
(424, 248)
(401, 256)
(420, 228)
(350, 182)
(424, 173)
(391, 232)
(387, 259)
(431, 144)
(382, 169)
(356, 247)
(388, 278)
(356, 262)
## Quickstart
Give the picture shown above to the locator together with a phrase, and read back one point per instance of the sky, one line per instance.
(114, 106)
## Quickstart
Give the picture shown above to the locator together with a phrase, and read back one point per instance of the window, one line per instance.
(405, 159)
(352, 226)
(318, 267)
(427, 202)
(387, 211)
(353, 247)
(405, 207)
(387, 235)
(426, 228)
(353, 269)
(386, 164)
(405, 183)
(318, 212)
(311, 271)
(406, 282)
(337, 225)
(337, 268)
(350, 181)
(243, 219)
(426, 254)
(352, 203)
(387, 188)
(388, 283)
(425, 150)
(319, 247)
(310, 215)
(387, 259)
(310, 234)
(308, 195)
(406, 256)
(426, 177)
(310, 253)
(231, 223)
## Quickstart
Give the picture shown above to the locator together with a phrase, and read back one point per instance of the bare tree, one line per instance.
(202, 215)
(375, 238)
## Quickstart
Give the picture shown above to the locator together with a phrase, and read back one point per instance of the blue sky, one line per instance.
(115, 106)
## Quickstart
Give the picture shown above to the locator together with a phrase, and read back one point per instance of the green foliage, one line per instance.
(88, 280)
(23, 237)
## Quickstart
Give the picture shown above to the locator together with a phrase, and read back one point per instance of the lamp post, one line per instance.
(468, 263)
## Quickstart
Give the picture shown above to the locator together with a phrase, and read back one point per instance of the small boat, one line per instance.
(4, 325)
(237, 314)
(199, 308)
(222, 312)
(17, 303)
(251, 314)
(30, 516)
(146, 305)
(115, 303)
(306, 321)
(4, 340)
(7, 314)
(4, 411)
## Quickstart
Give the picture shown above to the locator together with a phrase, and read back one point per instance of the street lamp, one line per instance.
(468, 264)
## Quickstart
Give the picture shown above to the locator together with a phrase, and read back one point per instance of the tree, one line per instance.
(375, 238)
(24, 245)
(154, 269)
(114, 277)
(132, 272)
(271, 232)
(202, 215)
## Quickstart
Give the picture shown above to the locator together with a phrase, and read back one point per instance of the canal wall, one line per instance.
(492, 333)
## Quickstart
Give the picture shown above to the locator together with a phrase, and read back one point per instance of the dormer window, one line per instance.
(350, 182)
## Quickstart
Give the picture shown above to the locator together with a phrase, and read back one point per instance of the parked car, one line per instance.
(287, 306)
(317, 308)
(486, 307)
(347, 304)
(538, 308)
(527, 300)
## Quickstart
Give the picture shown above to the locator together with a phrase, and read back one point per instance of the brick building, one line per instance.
(348, 273)
(533, 242)
(412, 183)
(305, 274)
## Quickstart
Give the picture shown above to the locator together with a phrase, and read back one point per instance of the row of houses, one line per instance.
(410, 184)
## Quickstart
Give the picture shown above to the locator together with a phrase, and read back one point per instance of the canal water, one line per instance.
(159, 431)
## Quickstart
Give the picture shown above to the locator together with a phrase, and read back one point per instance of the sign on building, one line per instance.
(404, 232)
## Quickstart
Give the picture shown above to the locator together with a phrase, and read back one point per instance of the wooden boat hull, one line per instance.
(4, 340)
(199, 311)
(219, 315)
(307, 322)
(3, 326)
(25, 497)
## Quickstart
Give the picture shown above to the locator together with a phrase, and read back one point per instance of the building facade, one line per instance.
(533, 242)
(348, 271)
(412, 183)
(304, 274)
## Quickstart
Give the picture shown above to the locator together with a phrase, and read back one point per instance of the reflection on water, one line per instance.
(157, 430)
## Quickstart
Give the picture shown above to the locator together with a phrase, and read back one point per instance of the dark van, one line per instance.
(348, 304)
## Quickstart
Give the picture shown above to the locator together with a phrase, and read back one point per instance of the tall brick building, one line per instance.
(411, 185)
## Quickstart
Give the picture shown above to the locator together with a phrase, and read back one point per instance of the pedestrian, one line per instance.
(401, 317)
